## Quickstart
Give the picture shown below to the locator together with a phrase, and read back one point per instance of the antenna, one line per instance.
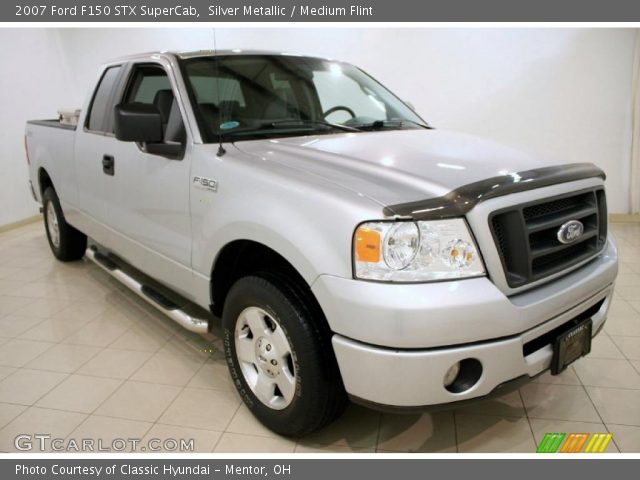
(221, 150)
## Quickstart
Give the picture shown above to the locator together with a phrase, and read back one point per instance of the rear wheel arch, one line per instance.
(67, 243)
(44, 181)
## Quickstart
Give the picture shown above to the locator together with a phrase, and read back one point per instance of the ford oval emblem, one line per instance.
(570, 232)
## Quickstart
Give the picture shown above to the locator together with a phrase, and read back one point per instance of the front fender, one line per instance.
(304, 218)
(300, 260)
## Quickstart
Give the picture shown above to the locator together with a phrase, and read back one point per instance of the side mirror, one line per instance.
(138, 122)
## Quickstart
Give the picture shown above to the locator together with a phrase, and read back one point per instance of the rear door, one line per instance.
(94, 142)
(148, 201)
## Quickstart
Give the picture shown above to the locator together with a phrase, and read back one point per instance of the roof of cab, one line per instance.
(235, 51)
(204, 53)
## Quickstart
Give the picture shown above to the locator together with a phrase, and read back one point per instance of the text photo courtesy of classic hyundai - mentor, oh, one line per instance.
(351, 250)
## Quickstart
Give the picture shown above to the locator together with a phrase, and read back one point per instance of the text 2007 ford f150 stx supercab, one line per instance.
(350, 249)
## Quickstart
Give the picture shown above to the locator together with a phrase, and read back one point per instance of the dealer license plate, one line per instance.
(570, 346)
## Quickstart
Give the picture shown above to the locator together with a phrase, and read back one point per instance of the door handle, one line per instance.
(108, 165)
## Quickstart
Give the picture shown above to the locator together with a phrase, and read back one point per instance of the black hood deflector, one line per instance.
(459, 201)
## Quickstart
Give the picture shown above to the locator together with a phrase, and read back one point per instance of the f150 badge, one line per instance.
(207, 183)
(570, 231)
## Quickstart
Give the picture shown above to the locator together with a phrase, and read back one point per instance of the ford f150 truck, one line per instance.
(350, 249)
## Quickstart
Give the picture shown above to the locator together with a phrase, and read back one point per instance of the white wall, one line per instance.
(560, 92)
(33, 84)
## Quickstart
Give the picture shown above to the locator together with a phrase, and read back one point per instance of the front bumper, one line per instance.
(394, 343)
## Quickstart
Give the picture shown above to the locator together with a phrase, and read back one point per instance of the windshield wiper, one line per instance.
(380, 124)
(308, 123)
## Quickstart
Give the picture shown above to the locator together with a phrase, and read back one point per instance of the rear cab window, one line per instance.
(101, 108)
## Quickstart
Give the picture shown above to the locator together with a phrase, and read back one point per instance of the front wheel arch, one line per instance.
(243, 257)
(320, 396)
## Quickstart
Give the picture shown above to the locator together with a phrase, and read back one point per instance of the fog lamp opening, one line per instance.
(462, 375)
(451, 374)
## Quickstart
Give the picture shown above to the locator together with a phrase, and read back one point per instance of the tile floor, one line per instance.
(81, 357)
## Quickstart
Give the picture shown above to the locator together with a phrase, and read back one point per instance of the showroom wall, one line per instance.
(33, 84)
(560, 92)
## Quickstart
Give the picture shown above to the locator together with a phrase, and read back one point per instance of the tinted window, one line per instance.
(147, 81)
(207, 91)
(241, 97)
(102, 105)
(150, 84)
(336, 90)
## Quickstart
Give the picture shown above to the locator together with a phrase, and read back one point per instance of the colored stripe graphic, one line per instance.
(574, 443)
(598, 443)
(550, 442)
(582, 441)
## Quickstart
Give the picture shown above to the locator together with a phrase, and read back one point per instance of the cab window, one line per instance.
(149, 84)
(102, 102)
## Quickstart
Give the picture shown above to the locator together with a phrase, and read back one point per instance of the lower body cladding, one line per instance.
(409, 377)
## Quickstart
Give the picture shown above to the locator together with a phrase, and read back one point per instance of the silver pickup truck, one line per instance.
(350, 249)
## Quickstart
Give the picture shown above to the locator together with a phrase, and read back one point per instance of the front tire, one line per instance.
(280, 357)
(67, 243)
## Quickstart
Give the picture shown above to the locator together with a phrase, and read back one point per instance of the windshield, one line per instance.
(244, 97)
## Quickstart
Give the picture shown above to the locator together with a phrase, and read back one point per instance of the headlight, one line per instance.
(415, 251)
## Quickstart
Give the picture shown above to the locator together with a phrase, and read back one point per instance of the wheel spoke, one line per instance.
(265, 388)
(264, 354)
(280, 342)
(52, 225)
(287, 384)
(255, 320)
(245, 350)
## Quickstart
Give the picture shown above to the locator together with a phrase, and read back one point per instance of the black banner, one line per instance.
(319, 11)
(315, 469)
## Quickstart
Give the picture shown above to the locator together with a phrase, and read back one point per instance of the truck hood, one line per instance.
(396, 166)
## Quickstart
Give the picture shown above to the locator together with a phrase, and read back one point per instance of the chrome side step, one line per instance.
(151, 295)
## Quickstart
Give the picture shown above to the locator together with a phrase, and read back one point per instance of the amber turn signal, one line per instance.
(367, 245)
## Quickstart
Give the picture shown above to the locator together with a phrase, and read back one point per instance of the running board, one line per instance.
(147, 292)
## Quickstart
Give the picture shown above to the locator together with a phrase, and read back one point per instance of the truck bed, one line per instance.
(54, 123)
(50, 145)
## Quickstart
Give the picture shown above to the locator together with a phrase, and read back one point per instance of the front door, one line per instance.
(148, 205)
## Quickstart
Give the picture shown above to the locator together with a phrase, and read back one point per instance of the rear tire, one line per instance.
(275, 343)
(67, 243)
